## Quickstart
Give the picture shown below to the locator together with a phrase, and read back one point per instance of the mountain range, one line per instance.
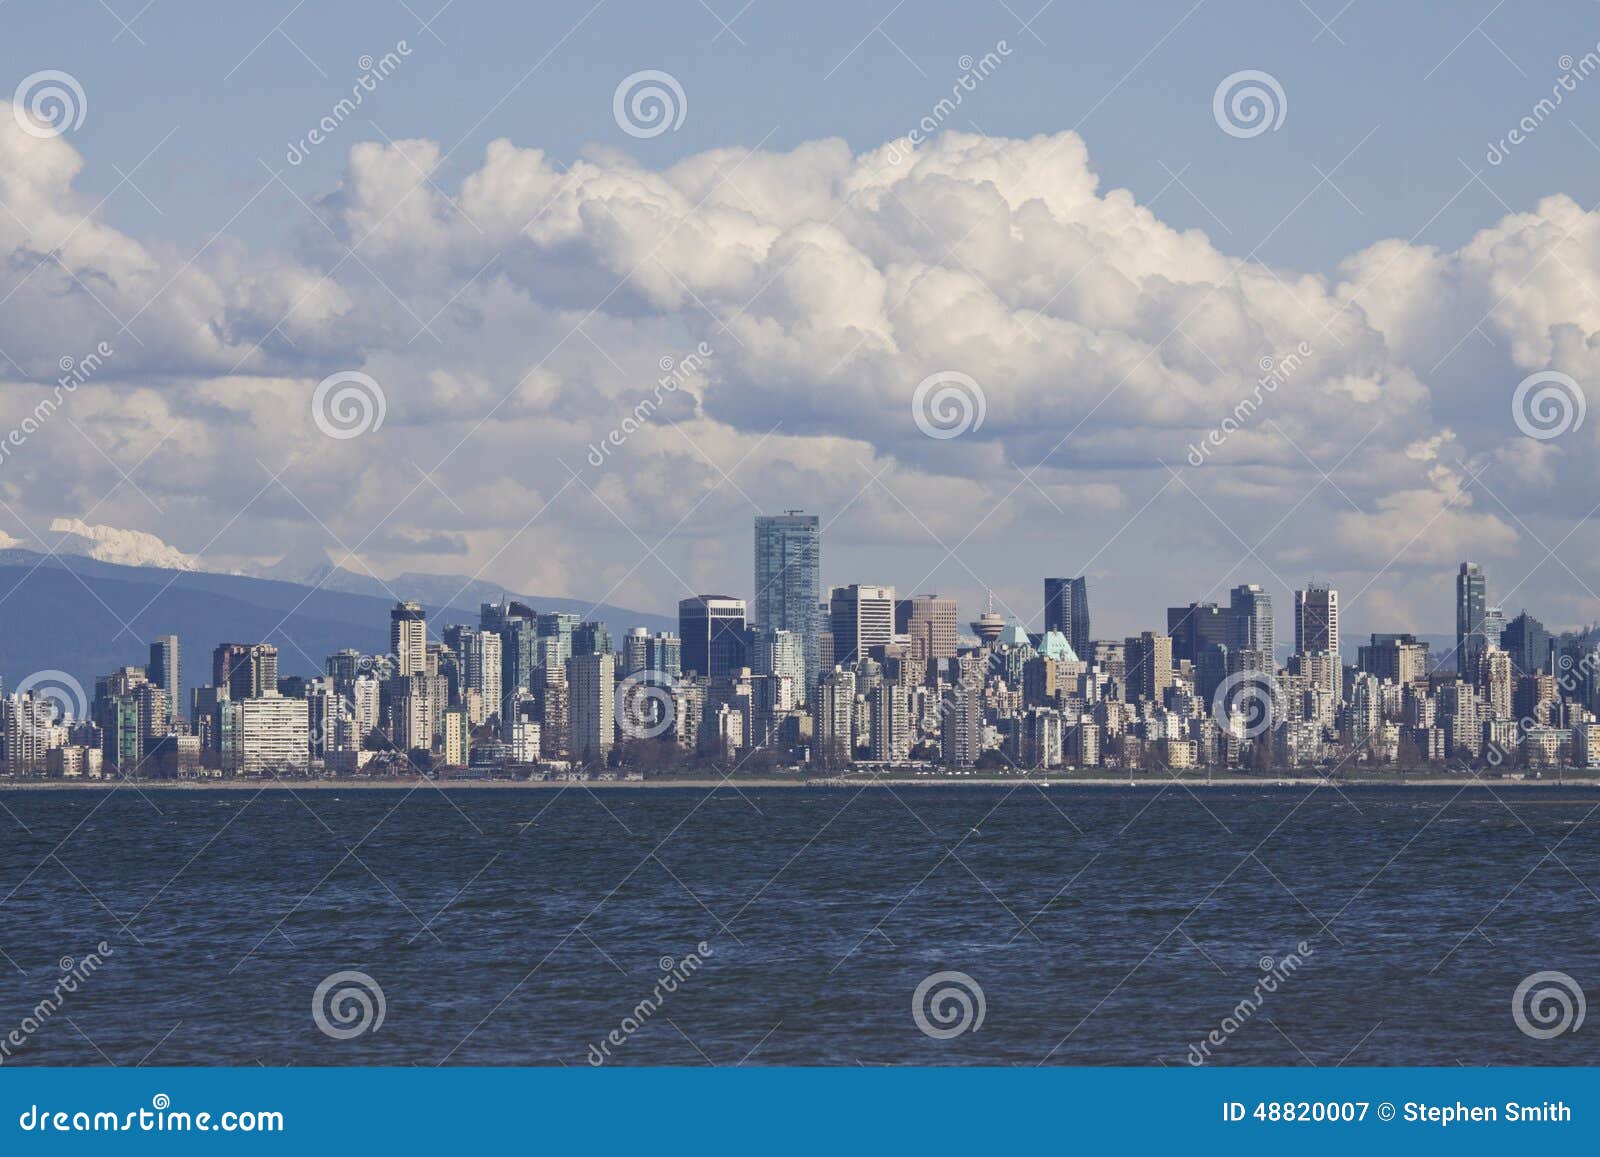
(86, 616)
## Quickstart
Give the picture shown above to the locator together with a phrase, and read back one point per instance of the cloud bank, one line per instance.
(529, 311)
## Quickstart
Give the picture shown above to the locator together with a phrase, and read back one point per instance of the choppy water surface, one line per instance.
(525, 926)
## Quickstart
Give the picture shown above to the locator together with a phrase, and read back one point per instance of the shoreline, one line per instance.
(746, 783)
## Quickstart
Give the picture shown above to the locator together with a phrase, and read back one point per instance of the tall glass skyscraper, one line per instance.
(789, 581)
(1066, 609)
(1472, 597)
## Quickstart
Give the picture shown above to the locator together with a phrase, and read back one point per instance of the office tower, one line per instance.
(408, 639)
(1194, 628)
(1316, 618)
(1250, 626)
(859, 618)
(930, 623)
(1472, 601)
(1148, 666)
(1528, 643)
(593, 685)
(1396, 658)
(1210, 671)
(1066, 609)
(712, 631)
(163, 671)
(788, 581)
(592, 638)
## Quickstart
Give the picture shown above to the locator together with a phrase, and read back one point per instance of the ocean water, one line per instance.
(511, 927)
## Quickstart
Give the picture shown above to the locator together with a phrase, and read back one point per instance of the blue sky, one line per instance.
(1084, 245)
(1431, 86)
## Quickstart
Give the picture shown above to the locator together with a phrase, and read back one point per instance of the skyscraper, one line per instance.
(1250, 621)
(408, 639)
(711, 628)
(1472, 601)
(1316, 618)
(247, 670)
(1527, 641)
(593, 686)
(930, 623)
(860, 617)
(1194, 628)
(788, 579)
(163, 670)
(1066, 609)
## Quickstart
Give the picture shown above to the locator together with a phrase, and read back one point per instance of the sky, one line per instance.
(1094, 317)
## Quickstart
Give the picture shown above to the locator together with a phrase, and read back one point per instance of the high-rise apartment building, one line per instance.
(593, 684)
(408, 639)
(1148, 671)
(788, 581)
(163, 671)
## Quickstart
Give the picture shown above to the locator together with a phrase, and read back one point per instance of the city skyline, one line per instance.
(531, 689)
